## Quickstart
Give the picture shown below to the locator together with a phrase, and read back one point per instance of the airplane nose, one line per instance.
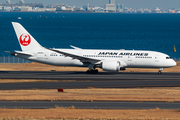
(174, 63)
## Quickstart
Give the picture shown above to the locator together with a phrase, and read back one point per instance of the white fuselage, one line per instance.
(128, 58)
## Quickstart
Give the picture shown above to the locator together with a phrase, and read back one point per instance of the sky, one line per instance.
(128, 3)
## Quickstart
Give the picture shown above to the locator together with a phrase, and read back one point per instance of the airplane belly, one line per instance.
(64, 61)
(144, 63)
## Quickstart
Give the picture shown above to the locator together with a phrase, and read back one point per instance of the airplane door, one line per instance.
(46, 55)
(156, 58)
(40, 55)
(130, 60)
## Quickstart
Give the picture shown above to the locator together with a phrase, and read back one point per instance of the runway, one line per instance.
(53, 75)
(82, 80)
(88, 105)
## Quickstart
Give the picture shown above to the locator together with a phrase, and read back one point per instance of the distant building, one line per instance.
(26, 9)
(1, 8)
(50, 9)
(21, 2)
(118, 6)
(69, 9)
(8, 1)
(147, 11)
(65, 9)
(7, 8)
(172, 11)
(98, 9)
(16, 9)
(122, 6)
(111, 1)
(158, 10)
(37, 9)
(39, 5)
(87, 7)
(110, 7)
(76, 9)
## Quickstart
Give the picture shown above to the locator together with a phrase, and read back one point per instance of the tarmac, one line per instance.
(53, 75)
(83, 80)
(88, 105)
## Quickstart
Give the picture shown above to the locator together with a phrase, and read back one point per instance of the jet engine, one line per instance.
(111, 66)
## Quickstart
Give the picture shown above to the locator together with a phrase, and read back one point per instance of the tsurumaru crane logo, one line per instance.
(25, 39)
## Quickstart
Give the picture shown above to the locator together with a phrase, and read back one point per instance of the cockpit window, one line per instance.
(168, 58)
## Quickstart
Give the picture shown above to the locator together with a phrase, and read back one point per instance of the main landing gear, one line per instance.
(92, 71)
(160, 70)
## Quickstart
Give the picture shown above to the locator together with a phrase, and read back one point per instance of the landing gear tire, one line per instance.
(92, 71)
(159, 72)
(96, 71)
(88, 72)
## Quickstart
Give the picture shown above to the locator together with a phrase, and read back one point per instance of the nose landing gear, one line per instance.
(160, 70)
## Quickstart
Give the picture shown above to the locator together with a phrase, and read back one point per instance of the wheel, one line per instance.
(96, 71)
(91, 71)
(159, 72)
(88, 72)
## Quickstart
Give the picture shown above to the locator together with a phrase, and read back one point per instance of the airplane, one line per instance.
(107, 60)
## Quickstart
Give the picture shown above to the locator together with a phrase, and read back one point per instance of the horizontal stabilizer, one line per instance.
(19, 53)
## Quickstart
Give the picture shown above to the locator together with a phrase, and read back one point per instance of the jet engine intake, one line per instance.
(111, 66)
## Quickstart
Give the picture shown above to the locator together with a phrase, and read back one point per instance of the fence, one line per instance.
(176, 59)
(12, 59)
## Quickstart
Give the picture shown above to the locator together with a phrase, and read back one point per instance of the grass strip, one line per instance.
(72, 113)
(167, 94)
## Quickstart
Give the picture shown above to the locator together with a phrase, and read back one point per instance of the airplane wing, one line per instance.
(76, 47)
(81, 58)
(19, 52)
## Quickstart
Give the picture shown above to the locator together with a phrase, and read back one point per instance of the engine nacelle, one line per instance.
(111, 66)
